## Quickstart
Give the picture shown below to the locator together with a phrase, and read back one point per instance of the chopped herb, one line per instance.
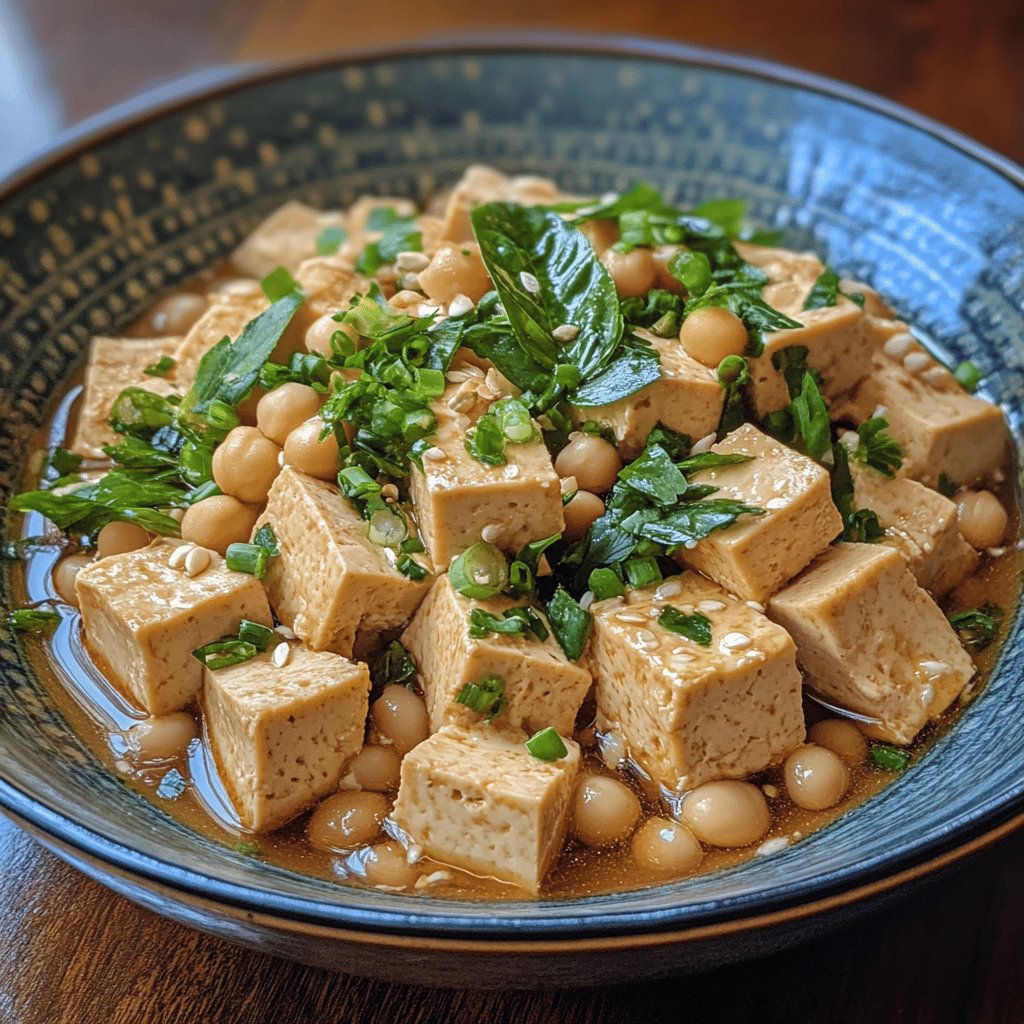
(859, 525)
(330, 240)
(604, 583)
(968, 375)
(266, 538)
(692, 270)
(530, 554)
(514, 622)
(487, 697)
(654, 475)
(825, 291)
(480, 572)
(279, 283)
(225, 653)
(309, 368)
(395, 665)
(507, 421)
(547, 745)
(60, 463)
(569, 622)
(261, 637)
(689, 523)
(877, 448)
(977, 627)
(247, 847)
(810, 418)
(863, 527)
(947, 487)
(387, 527)
(641, 571)
(397, 234)
(695, 627)
(161, 367)
(172, 785)
(33, 620)
(889, 759)
(791, 362)
(733, 374)
(248, 558)
(410, 568)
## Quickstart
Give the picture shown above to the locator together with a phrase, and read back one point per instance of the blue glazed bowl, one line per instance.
(90, 235)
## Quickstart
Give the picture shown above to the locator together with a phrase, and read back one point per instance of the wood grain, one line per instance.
(72, 953)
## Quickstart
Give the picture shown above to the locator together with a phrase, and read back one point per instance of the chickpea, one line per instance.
(816, 777)
(245, 464)
(320, 332)
(727, 813)
(666, 847)
(455, 270)
(218, 521)
(377, 768)
(176, 314)
(280, 411)
(64, 573)
(605, 811)
(388, 864)
(633, 272)
(602, 234)
(580, 512)
(347, 820)
(401, 716)
(118, 538)
(162, 737)
(663, 256)
(842, 738)
(592, 460)
(304, 450)
(983, 520)
(712, 333)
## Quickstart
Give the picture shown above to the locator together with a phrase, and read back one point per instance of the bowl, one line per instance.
(117, 214)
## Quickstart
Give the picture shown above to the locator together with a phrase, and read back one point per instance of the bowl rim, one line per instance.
(680, 921)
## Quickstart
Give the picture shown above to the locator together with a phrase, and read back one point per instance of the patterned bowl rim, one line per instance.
(829, 891)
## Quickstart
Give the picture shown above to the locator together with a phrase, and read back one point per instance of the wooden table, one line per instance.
(72, 953)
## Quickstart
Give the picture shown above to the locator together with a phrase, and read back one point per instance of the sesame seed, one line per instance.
(927, 694)
(703, 445)
(899, 345)
(565, 332)
(774, 504)
(424, 881)
(435, 454)
(634, 617)
(934, 669)
(995, 552)
(286, 631)
(529, 282)
(427, 309)
(281, 654)
(936, 375)
(680, 662)
(411, 261)
(460, 305)
(491, 532)
(756, 605)
(670, 588)
(511, 472)
(689, 544)
(349, 782)
(711, 606)
(775, 845)
(178, 555)
(734, 642)
(414, 853)
(567, 485)
(457, 376)
(880, 410)
(280, 458)
(587, 599)
(915, 362)
(197, 561)
(647, 640)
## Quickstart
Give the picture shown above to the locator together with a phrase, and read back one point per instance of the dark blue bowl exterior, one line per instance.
(86, 245)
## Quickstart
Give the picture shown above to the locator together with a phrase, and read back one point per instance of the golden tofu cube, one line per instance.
(286, 238)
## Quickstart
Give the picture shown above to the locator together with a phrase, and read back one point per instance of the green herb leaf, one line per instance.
(825, 291)
(397, 234)
(726, 214)
(33, 620)
(279, 283)
(689, 523)
(968, 375)
(947, 487)
(862, 527)
(247, 847)
(641, 571)
(225, 653)
(395, 665)
(733, 374)
(330, 240)
(266, 538)
(977, 627)
(877, 448)
(161, 367)
(547, 745)
(632, 368)
(487, 697)
(514, 622)
(810, 416)
(605, 583)
(890, 759)
(692, 270)
(655, 475)
(569, 622)
(695, 627)
(410, 568)
(261, 637)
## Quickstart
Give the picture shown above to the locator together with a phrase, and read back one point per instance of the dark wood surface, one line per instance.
(72, 953)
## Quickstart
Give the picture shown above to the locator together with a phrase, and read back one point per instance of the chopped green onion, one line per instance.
(605, 583)
(889, 759)
(248, 558)
(567, 375)
(261, 637)
(203, 491)
(408, 566)
(520, 578)
(977, 627)
(480, 572)
(547, 745)
(640, 572)
(514, 621)
(534, 623)
(387, 528)
(225, 653)
(485, 698)
(247, 847)
(160, 368)
(695, 627)
(33, 620)
(968, 375)
(411, 546)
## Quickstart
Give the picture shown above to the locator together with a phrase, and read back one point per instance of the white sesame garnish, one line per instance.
(411, 261)
(936, 375)
(286, 631)
(565, 332)
(927, 694)
(529, 282)
(734, 642)
(491, 532)
(880, 410)
(703, 445)
(995, 552)
(634, 617)
(670, 588)
(849, 439)
(457, 376)
(899, 345)
(197, 561)
(710, 606)
(512, 471)
(459, 305)
(427, 309)
(281, 654)
(587, 599)
(774, 504)
(568, 485)
(915, 362)
(756, 605)
(647, 640)
(280, 458)
(689, 544)
(435, 454)
(178, 555)
(774, 845)
(680, 662)
(414, 853)
(424, 881)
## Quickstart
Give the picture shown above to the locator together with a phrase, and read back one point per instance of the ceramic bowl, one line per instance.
(121, 213)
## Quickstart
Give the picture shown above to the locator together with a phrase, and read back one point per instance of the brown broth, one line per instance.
(99, 714)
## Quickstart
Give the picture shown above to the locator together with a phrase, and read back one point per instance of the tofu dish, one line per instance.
(525, 546)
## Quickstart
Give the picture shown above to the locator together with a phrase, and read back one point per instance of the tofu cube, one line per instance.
(329, 282)
(225, 318)
(330, 582)
(541, 685)
(286, 238)
(282, 735)
(869, 638)
(689, 713)
(687, 398)
(756, 555)
(142, 619)
(479, 801)
(941, 427)
(456, 497)
(920, 524)
(116, 364)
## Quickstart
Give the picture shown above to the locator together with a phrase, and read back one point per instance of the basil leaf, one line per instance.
(695, 627)
(634, 368)
(712, 460)
(655, 475)
(825, 291)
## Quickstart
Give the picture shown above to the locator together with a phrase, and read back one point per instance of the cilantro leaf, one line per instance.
(810, 417)
(161, 367)
(825, 291)
(655, 475)
(397, 234)
(695, 627)
(395, 665)
(330, 240)
(877, 448)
